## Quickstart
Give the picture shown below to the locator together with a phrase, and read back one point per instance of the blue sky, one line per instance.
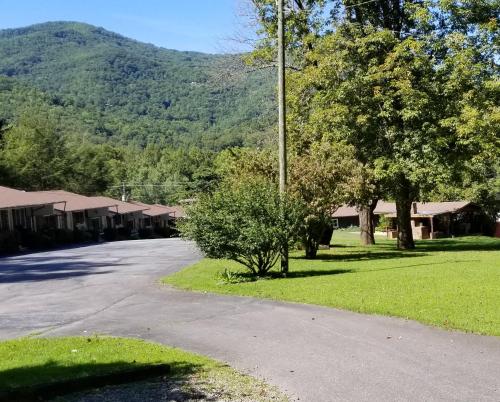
(201, 25)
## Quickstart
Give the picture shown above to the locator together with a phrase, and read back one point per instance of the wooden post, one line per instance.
(432, 227)
(282, 119)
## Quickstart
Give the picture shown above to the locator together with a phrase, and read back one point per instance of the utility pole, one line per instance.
(124, 192)
(282, 120)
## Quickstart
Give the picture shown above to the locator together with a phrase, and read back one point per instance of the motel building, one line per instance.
(27, 210)
(79, 212)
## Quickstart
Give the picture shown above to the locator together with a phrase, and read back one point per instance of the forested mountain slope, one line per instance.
(132, 92)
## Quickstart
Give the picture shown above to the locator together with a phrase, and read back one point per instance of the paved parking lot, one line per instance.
(312, 353)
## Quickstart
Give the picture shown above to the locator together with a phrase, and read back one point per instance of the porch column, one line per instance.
(432, 227)
(69, 220)
(10, 219)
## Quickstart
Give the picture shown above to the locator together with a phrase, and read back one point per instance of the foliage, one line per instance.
(247, 223)
(449, 283)
(131, 92)
(413, 87)
(165, 175)
(227, 276)
(320, 179)
(39, 151)
(35, 151)
(383, 223)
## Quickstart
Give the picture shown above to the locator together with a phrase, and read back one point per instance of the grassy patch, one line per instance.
(451, 283)
(29, 362)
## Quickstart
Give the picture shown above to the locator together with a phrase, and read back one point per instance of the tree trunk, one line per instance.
(403, 211)
(312, 237)
(367, 223)
(311, 249)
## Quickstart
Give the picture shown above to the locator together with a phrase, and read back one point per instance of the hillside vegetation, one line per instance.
(130, 92)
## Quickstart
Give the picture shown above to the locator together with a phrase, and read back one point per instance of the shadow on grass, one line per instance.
(52, 379)
(245, 277)
(481, 244)
(309, 272)
(363, 255)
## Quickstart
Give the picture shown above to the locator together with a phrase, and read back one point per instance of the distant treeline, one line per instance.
(134, 93)
(41, 150)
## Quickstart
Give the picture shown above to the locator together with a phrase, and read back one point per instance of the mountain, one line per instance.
(131, 92)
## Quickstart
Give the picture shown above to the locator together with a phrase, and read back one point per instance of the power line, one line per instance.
(360, 4)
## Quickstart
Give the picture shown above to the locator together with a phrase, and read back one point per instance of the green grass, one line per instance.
(450, 283)
(27, 362)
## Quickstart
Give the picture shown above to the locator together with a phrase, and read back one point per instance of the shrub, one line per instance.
(109, 234)
(123, 233)
(37, 240)
(228, 277)
(81, 236)
(9, 242)
(247, 223)
(145, 233)
(383, 223)
(62, 236)
(162, 232)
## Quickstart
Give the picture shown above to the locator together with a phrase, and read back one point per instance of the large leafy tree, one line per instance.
(321, 179)
(34, 152)
(96, 168)
(412, 86)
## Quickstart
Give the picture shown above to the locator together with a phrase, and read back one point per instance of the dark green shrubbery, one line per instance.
(244, 223)
(9, 242)
(109, 234)
(37, 240)
(81, 236)
(123, 233)
(63, 236)
(145, 233)
(163, 232)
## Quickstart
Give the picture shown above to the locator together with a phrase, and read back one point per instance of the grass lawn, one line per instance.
(450, 283)
(28, 362)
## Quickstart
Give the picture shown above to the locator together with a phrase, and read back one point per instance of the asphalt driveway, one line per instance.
(312, 353)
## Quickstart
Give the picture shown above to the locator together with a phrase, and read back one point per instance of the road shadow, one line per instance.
(118, 380)
(42, 269)
(63, 247)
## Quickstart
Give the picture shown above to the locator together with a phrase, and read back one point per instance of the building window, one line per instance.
(79, 220)
(335, 223)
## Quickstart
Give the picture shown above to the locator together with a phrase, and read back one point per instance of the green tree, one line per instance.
(167, 175)
(96, 168)
(320, 180)
(411, 86)
(35, 152)
(243, 223)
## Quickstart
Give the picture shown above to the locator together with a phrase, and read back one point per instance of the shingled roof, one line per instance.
(154, 210)
(436, 208)
(383, 207)
(76, 202)
(389, 209)
(11, 198)
(121, 207)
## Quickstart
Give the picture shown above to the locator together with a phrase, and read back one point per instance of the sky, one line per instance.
(208, 26)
